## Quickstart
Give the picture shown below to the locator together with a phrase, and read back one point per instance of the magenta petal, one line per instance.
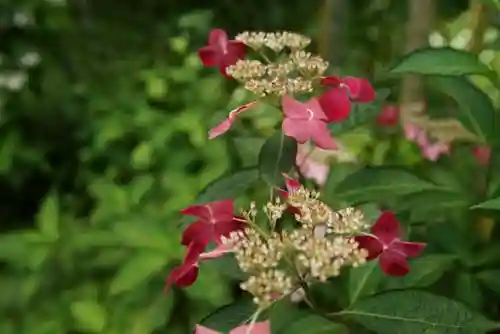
(409, 249)
(294, 109)
(208, 56)
(204, 330)
(360, 89)
(331, 81)
(335, 104)
(394, 263)
(218, 38)
(182, 276)
(321, 136)
(219, 251)
(387, 228)
(298, 129)
(237, 49)
(263, 327)
(197, 232)
(371, 244)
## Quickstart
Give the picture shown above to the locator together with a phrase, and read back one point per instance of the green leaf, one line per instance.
(416, 312)
(377, 183)
(425, 271)
(227, 186)
(248, 149)
(230, 316)
(89, 316)
(313, 324)
(362, 114)
(276, 157)
(489, 278)
(137, 271)
(475, 109)
(48, 218)
(440, 61)
(431, 204)
(492, 204)
(363, 281)
(468, 290)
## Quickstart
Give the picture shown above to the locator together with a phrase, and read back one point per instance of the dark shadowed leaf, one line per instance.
(248, 149)
(276, 157)
(433, 203)
(230, 316)
(379, 183)
(440, 61)
(362, 114)
(490, 279)
(468, 290)
(475, 109)
(417, 312)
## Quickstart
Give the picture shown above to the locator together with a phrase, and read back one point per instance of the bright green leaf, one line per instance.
(440, 61)
(363, 281)
(48, 218)
(89, 316)
(137, 271)
(230, 316)
(276, 157)
(135, 234)
(475, 108)
(416, 312)
(492, 204)
(425, 271)
(377, 183)
(362, 114)
(142, 156)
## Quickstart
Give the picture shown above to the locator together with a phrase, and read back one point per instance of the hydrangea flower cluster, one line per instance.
(295, 239)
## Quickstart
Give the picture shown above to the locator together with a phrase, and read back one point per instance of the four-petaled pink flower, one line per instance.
(385, 243)
(226, 124)
(263, 327)
(221, 52)
(306, 121)
(215, 219)
(430, 150)
(389, 115)
(336, 101)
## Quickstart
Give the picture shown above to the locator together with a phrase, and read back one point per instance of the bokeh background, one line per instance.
(104, 113)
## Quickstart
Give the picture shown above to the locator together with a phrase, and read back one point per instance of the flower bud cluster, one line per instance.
(280, 262)
(292, 73)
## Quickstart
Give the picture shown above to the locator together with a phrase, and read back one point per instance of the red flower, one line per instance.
(389, 116)
(187, 273)
(305, 121)
(336, 102)
(385, 243)
(482, 154)
(226, 124)
(263, 327)
(221, 52)
(291, 185)
(216, 219)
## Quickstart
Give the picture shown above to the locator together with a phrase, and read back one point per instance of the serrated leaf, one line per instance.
(276, 157)
(363, 281)
(492, 204)
(416, 312)
(230, 316)
(313, 324)
(137, 271)
(475, 109)
(440, 61)
(425, 271)
(362, 114)
(48, 218)
(379, 183)
(89, 316)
